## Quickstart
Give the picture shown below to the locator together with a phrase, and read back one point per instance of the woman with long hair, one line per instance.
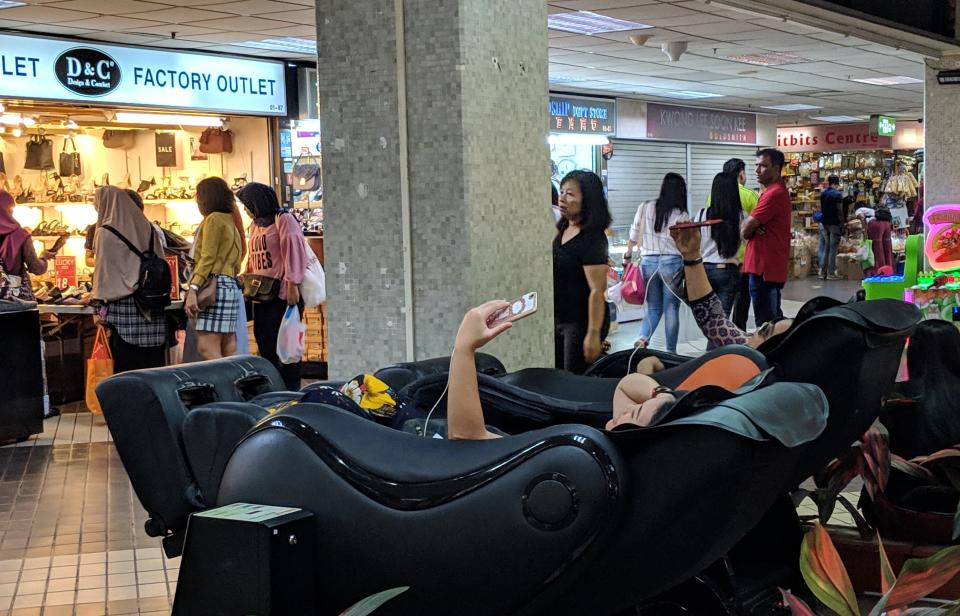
(218, 250)
(932, 421)
(720, 245)
(580, 255)
(660, 260)
(277, 253)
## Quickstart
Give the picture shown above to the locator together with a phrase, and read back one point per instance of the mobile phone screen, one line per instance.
(523, 306)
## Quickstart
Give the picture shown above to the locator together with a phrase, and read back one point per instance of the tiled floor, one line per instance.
(71, 528)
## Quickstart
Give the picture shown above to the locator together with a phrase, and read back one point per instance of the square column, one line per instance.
(436, 175)
(941, 126)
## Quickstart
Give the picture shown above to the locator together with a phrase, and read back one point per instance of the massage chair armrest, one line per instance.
(210, 433)
(621, 363)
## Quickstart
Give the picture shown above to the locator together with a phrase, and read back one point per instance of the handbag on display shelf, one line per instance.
(39, 154)
(216, 141)
(305, 177)
(70, 161)
(118, 139)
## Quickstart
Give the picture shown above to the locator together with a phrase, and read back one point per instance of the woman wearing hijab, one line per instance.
(277, 250)
(19, 257)
(138, 338)
(218, 250)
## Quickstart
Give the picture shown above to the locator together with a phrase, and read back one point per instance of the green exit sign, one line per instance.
(884, 126)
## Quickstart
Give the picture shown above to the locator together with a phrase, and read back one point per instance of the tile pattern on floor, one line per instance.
(71, 528)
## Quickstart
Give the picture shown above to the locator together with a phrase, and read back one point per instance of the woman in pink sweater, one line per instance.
(277, 250)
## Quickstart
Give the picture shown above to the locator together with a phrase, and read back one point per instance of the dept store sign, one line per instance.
(578, 114)
(78, 71)
(830, 138)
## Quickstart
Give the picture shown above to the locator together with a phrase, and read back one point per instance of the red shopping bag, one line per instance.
(99, 367)
(634, 290)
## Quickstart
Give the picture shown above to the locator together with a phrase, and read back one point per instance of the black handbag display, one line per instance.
(70, 161)
(166, 150)
(39, 154)
(2, 168)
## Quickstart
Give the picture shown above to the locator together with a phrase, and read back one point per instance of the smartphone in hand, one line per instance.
(523, 306)
(693, 224)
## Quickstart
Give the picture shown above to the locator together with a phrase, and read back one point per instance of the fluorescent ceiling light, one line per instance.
(899, 80)
(837, 118)
(587, 22)
(9, 4)
(791, 107)
(688, 94)
(286, 43)
(10, 119)
(167, 119)
(767, 59)
(577, 139)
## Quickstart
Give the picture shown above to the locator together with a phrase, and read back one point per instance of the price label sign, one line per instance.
(65, 270)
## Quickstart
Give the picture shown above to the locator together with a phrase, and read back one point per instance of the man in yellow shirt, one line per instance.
(748, 200)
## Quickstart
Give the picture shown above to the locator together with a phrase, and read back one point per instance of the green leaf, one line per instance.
(921, 576)
(825, 574)
(371, 603)
(956, 524)
(796, 605)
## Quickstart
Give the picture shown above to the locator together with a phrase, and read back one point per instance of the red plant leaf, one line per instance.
(797, 606)
(912, 468)
(887, 577)
(943, 454)
(876, 455)
(921, 576)
(825, 574)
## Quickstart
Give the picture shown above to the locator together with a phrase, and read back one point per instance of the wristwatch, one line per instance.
(194, 287)
(691, 263)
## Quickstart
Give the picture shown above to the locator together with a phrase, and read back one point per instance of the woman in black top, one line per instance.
(580, 255)
(932, 421)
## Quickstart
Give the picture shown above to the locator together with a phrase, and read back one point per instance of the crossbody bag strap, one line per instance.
(132, 248)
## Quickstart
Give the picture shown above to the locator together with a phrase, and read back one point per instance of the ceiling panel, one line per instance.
(107, 7)
(299, 16)
(242, 24)
(181, 15)
(43, 15)
(252, 7)
(113, 23)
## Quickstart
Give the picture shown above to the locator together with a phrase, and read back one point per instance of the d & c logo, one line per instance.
(88, 72)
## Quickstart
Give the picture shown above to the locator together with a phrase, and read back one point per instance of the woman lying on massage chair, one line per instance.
(638, 398)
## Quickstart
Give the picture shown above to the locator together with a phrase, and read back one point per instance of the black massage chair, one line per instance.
(561, 519)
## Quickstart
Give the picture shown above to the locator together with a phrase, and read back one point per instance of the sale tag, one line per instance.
(174, 276)
(65, 271)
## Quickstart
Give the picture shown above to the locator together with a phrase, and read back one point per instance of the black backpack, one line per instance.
(154, 281)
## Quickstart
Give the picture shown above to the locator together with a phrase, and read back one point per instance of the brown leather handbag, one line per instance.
(216, 141)
(207, 295)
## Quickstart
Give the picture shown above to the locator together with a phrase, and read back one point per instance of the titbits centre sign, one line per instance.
(51, 69)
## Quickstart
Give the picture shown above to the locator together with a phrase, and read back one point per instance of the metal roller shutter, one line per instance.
(635, 173)
(707, 161)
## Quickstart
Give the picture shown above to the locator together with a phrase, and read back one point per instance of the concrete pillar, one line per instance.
(435, 174)
(941, 127)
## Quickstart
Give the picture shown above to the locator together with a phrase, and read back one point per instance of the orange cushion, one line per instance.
(727, 371)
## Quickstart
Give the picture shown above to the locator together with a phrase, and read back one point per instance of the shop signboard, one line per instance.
(65, 271)
(174, 266)
(579, 114)
(87, 72)
(689, 124)
(830, 138)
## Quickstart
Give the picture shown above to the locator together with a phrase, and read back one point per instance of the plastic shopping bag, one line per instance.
(313, 289)
(615, 293)
(865, 253)
(99, 367)
(634, 290)
(291, 337)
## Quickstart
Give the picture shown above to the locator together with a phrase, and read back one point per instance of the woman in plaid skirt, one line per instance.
(218, 250)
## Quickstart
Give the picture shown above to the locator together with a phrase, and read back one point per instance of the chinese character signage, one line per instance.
(576, 114)
(674, 123)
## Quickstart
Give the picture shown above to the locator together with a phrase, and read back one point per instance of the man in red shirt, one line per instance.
(767, 232)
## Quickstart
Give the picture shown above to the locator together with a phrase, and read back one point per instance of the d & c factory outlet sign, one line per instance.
(78, 71)
(580, 114)
(704, 125)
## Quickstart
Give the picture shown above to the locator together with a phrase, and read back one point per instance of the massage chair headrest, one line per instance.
(879, 316)
(400, 375)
